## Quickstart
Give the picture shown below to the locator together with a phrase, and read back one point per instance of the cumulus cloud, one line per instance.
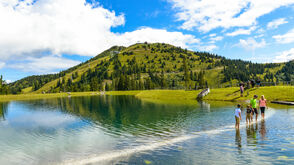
(251, 44)
(8, 81)
(2, 64)
(275, 23)
(67, 26)
(216, 38)
(31, 27)
(155, 35)
(206, 15)
(286, 38)
(45, 64)
(241, 31)
(285, 56)
(207, 48)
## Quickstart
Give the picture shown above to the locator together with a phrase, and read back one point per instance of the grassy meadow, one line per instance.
(281, 93)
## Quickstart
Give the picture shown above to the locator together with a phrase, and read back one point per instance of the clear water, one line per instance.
(126, 130)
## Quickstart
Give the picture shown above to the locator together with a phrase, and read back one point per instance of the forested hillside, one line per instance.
(153, 66)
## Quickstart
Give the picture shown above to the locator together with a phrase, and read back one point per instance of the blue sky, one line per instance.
(47, 36)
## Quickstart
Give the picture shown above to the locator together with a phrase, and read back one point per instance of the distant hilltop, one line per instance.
(145, 66)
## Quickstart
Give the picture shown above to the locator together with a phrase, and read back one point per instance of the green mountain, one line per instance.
(153, 66)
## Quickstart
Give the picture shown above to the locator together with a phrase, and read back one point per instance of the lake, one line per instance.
(127, 130)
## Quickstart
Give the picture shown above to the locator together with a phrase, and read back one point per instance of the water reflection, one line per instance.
(251, 131)
(120, 115)
(238, 140)
(3, 110)
(204, 105)
(262, 130)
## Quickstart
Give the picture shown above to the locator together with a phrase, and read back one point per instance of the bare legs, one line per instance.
(262, 115)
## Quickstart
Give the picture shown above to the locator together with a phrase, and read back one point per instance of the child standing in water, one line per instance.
(248, 114)
(238, 116)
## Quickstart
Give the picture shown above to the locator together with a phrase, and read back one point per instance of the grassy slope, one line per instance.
(285, 93)
(80, 70)
(140, 53)
(171, 69)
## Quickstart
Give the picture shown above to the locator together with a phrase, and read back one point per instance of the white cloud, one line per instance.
(206, 15)
(217, 38)
(2, 64)
(155, 35)
(207, 48)
(275, 23)
(286, 38)
(69, 26)
(212, 35)
(34, 34)
(259, 36)
(47, 64)
(8, 81)
(251, 44)
(242, 31)
(285, 56)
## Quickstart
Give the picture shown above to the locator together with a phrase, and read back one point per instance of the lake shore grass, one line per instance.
(5, 98)
(280, 93)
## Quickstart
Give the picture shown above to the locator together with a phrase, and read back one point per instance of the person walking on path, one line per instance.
(241, 89)
(238, 116)
(262, 105)
(253, 104)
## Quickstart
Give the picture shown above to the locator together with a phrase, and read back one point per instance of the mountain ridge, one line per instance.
(149, 66)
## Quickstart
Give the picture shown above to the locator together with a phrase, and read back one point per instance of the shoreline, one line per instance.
(275, 93)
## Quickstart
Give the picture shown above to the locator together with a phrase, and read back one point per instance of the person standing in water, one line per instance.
(262, 105)
(248, 114)
(253, 104)
(238, 116)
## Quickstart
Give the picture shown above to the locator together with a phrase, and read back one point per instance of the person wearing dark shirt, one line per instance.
(248, 114)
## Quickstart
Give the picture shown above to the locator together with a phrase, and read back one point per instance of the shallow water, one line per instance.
(126, 130)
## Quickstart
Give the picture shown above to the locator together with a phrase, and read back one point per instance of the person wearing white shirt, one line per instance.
(238, 117)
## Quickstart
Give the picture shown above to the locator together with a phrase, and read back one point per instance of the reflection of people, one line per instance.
(251, 134)
(262, 130)
(253, 104)
(248, 114)
(238, 139)
(262, 105)
(238, 116)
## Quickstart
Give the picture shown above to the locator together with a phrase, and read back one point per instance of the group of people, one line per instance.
(250, 82)
(252, 109)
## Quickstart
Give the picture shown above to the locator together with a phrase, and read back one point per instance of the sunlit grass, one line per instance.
(282, 93)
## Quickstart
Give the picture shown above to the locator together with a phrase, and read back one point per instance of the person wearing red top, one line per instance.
(262, 105)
